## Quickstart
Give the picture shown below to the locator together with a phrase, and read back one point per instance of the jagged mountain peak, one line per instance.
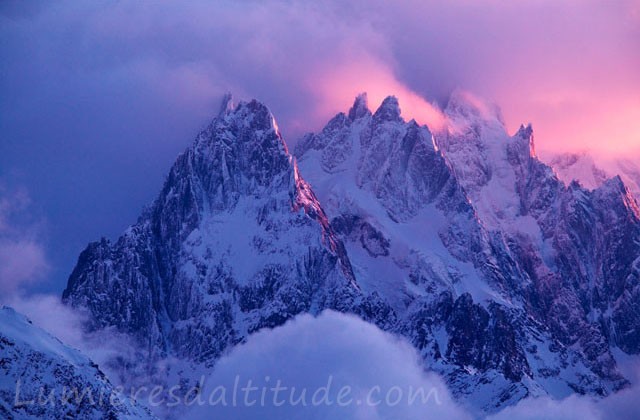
(614, 190)
(614, 184)
(360, 107)
(389, 110)
(253, 114)
(497, 204)
(226, 105)
(235, 226)
(526, 133)
(240, 152)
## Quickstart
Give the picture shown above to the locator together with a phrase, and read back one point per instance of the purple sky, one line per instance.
(98, 98)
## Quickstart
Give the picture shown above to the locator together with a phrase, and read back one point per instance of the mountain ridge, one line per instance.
(463, 241)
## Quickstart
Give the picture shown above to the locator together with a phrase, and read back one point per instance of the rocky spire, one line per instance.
(360, 107)
(389, 110)
(526, 133)
(226, 105)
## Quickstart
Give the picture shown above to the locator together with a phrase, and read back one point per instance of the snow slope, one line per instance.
(40, 377)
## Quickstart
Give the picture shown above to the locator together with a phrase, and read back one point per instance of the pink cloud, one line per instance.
(569, 67)
(337, 86)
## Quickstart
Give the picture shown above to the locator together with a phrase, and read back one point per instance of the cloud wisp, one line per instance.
(23, 260)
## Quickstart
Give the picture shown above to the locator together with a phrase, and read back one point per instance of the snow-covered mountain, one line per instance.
(235, 242)
(509, 282)
(40, 377)
(583, 168)
(481, 234)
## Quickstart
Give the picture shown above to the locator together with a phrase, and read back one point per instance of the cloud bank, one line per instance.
(622, 405)
(322, 356)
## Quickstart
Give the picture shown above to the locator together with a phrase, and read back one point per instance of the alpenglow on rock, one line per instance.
(508, 282)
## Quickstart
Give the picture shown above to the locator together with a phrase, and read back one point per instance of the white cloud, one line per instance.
(322, 354)
(571, 408)
(48, 313)
(621, 405)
